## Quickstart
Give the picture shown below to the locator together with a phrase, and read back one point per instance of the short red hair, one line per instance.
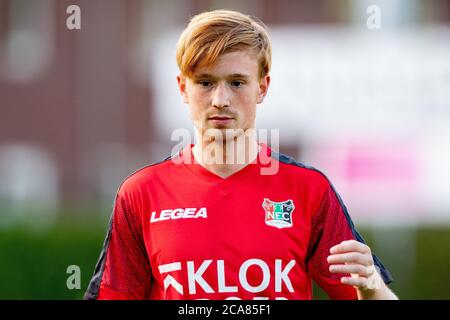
(212, 33)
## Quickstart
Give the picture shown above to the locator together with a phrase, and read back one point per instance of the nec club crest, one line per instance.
(278, 214)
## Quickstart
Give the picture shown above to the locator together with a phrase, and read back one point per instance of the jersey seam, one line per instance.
(387, 278)
(95, 283)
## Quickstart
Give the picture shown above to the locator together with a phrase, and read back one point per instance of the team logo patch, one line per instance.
(278, 214)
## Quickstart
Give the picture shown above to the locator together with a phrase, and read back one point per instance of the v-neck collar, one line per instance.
(190, 163)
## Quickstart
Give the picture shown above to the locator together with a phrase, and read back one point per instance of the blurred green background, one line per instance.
(34, 260)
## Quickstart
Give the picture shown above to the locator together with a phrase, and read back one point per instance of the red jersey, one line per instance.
(178, 231)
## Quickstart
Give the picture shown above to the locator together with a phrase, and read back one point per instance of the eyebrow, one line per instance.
(234, 75)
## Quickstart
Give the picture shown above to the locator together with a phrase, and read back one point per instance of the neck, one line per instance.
(225, 157)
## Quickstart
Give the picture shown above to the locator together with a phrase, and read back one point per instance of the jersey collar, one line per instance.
(190, 164)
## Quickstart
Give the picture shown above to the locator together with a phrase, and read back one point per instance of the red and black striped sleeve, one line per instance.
(331, 225)
(123, 269)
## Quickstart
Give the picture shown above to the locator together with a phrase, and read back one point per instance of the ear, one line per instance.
(181, 80)
(263, 88)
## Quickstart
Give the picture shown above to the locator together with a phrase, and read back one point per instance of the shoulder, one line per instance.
(307, 174)
(141, 178)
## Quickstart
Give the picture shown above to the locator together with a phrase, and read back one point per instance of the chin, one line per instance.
(223, 133)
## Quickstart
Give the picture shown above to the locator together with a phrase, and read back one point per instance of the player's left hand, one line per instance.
(355, 258)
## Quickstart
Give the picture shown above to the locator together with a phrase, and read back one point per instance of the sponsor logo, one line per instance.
(199, 275)
(278, 214)
(172, 214)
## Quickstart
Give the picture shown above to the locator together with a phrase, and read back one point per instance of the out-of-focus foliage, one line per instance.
(34, 263)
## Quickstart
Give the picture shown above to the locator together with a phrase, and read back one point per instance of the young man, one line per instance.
(202, 225)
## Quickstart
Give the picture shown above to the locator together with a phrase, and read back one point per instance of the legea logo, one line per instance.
(172, 214)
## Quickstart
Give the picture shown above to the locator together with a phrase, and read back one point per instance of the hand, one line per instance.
(355, 258)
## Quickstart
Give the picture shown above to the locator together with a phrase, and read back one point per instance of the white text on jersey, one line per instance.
(194, 273)
(172, 214)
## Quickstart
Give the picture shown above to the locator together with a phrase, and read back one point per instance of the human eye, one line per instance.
(237, 83)
(205, 83)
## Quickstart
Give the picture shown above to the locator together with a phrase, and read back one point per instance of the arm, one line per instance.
(355, 258)
(331, 225)
(123, 269)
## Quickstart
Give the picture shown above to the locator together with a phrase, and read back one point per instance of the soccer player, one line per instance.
(202, 225)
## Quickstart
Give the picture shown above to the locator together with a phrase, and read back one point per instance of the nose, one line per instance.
(221, 97)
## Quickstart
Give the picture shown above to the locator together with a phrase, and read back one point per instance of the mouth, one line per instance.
(221, 120)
